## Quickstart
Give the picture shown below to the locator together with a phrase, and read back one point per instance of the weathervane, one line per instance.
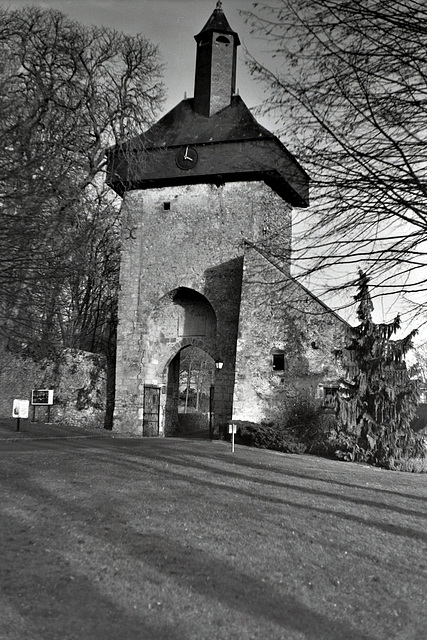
(219, 5)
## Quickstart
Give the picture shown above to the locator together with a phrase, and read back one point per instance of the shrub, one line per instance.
(302, 427)
(416, 464)
(344, 446)
(309, 424)
(261, 435)
(404, 452)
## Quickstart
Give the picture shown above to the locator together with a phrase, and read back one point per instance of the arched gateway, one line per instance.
(180, 328)
(190, 393)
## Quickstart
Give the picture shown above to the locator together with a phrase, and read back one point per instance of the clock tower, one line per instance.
(206, 241)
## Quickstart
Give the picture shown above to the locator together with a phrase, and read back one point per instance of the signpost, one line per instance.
(232, 428)
(20, 410)
(42, 397)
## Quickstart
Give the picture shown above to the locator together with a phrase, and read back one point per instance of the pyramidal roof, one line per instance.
(218, 22)
(182, 124)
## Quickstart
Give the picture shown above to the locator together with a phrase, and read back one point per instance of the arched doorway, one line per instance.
(189, 392)
(179, 350)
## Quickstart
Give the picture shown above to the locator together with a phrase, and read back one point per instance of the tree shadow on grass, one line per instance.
(216, 579)
(346, 468)
(242, 592)
(150, 450)
(175, 458)
(229, 473)
(73, 603)
(194, 448)
(48, 598)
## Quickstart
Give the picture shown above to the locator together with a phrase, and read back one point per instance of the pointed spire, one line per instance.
(218, 22)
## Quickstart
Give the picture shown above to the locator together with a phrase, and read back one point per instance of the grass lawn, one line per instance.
(178, 539)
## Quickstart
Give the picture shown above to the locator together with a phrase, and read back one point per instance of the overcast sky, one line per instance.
(172, 24)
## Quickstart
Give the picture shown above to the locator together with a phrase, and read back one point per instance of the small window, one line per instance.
(223, 39)
(166, 206)
(278, 361)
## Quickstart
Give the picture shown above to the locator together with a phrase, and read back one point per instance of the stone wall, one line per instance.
(78, 379)
(277, 315)
(215, 75)
(17, 377)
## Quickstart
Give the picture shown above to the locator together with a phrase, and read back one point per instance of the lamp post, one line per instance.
(218, 366)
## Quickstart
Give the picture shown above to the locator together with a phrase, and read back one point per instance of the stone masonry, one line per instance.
(183, 245)
(279, 316)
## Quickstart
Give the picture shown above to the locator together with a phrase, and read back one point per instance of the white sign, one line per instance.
(20, 408)
(232, 428)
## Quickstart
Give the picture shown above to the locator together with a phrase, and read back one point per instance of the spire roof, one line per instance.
(218, 22)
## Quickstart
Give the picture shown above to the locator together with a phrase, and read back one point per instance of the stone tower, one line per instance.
(207, 194)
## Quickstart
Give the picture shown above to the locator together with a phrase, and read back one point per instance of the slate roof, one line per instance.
(231, 145)
(218, 22)
(182, 125)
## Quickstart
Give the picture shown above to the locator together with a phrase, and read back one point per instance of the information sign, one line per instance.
(20, 409)
(42, 397)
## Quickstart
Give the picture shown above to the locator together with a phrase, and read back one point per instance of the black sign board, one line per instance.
(42, 396)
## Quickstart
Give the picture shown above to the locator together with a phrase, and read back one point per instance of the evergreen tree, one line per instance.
(379, 400)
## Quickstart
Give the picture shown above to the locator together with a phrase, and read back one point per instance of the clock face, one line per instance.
(186, 158)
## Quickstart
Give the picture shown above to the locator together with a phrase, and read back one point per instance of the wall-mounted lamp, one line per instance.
(219, 364)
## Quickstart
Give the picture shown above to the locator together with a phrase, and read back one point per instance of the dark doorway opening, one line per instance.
(188, 405)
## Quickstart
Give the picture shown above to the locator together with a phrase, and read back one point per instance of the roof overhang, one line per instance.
(245, 160)
(231, 146)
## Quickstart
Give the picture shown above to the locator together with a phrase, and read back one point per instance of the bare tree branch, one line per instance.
(66, 93)
(347, 83)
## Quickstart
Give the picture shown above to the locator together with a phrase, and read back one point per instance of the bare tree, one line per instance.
(347, 83)
(66, 93)
(196, 378)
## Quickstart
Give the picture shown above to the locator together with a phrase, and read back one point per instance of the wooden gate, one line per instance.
(151, 411)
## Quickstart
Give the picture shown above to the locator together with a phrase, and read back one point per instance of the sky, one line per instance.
(172, 24)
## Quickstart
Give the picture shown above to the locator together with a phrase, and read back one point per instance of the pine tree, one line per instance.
(378, 400)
